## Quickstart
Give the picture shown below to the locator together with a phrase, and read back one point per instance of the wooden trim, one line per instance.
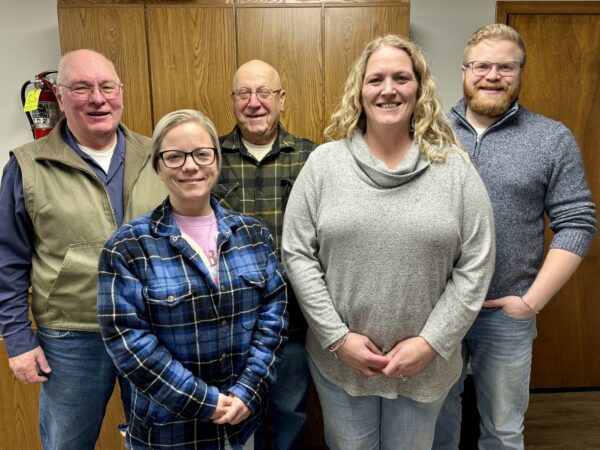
(504, 8)
(204, 3)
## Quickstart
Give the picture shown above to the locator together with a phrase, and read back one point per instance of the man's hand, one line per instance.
(512, 306)
(236, 411)
(28, 367)
(362, 356)
(409, 357)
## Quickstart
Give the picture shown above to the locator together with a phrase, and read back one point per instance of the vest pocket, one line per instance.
(72, 296)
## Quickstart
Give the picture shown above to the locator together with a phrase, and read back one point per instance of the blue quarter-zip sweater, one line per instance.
(530, 165)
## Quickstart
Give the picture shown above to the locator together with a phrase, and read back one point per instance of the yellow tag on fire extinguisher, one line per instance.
(31, 103)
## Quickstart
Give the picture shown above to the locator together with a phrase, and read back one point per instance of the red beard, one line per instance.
(490, 106)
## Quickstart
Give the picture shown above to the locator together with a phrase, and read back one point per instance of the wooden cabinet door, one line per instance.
(347, 31)
(561, 81)
(118, 31)
(289, 40)
(192, 60)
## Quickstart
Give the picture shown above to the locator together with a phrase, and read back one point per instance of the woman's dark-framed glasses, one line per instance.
(173, 159)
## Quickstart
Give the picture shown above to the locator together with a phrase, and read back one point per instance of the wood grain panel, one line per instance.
(18, 406)
(192, 61)
(347, 31)
(119, 33)
(289, 40)
(560, 81)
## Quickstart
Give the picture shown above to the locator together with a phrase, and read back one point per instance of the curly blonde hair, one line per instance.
(430, 128)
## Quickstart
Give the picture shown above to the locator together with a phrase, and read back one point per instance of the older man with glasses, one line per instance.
(61, 198)
(531, 166)
(261, 161)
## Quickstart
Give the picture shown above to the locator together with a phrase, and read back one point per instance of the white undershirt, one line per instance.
(258, 151)
(479, 131)
(102, 157)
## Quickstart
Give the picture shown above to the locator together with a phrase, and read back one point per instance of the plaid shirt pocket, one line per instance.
(173, 311)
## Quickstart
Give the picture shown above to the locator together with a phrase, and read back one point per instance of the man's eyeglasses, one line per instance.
(84, 91)
(173, 159)
(262, 93)
(505, 69)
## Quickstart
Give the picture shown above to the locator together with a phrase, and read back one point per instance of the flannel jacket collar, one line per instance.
(164, 225)
(232, 143)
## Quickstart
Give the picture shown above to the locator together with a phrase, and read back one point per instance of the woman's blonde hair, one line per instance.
(431, 130)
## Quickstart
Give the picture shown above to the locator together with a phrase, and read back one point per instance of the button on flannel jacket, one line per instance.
(179, 338)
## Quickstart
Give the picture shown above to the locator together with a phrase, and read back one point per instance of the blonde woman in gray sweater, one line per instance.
(388, 241)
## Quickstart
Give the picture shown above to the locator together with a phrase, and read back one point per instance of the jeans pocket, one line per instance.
(53, 334)
(516, 319)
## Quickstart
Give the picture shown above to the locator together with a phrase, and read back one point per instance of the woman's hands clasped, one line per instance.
(406, 358)
(230, 409)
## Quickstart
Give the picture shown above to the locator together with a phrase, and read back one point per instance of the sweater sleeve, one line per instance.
(568, 200)
(465, 290)
(300, 254)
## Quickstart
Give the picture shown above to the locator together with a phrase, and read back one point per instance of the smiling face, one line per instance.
(94, 120)
(491, 95)
(258, 118)
(389, 91)
(189, 185)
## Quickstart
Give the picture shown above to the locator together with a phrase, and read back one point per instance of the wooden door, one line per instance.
(561, 81)
(118, 31)
(192, 60)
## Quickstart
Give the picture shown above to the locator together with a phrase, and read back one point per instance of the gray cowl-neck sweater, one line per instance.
(390, 255)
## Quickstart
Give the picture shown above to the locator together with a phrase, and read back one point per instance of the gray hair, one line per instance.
(179, 117)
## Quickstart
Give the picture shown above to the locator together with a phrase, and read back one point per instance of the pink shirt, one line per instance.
(201, 233)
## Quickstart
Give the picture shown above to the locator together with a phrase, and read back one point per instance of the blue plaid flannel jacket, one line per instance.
(179, 338)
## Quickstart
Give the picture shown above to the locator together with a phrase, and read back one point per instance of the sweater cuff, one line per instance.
(574, 241)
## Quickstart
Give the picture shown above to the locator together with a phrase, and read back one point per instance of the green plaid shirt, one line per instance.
(261, 189)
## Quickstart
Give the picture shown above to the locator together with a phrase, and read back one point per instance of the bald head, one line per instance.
(258, 116)
(257, 69)
(82, 57)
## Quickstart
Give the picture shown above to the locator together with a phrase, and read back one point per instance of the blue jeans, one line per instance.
(370, 422)
(74, 399)
(287, 400)
(499, 348)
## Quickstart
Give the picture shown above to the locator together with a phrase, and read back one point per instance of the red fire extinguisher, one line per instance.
(40, 104)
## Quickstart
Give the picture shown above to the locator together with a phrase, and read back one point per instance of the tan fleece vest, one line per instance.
(72, 218)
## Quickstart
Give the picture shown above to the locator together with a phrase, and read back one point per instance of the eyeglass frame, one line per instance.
(272, 93)
(91, 89)
(185, 156)
(469, 65)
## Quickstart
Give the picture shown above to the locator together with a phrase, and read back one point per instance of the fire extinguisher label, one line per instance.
(31, 103)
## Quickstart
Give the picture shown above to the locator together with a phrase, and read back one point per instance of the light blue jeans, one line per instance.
(287, 400)
(499, 348)
(74, 399)
(374, 423)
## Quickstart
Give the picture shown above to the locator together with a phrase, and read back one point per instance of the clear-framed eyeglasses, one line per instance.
(504, 69)
(84, 91)
(263, 93)
(173, 159)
